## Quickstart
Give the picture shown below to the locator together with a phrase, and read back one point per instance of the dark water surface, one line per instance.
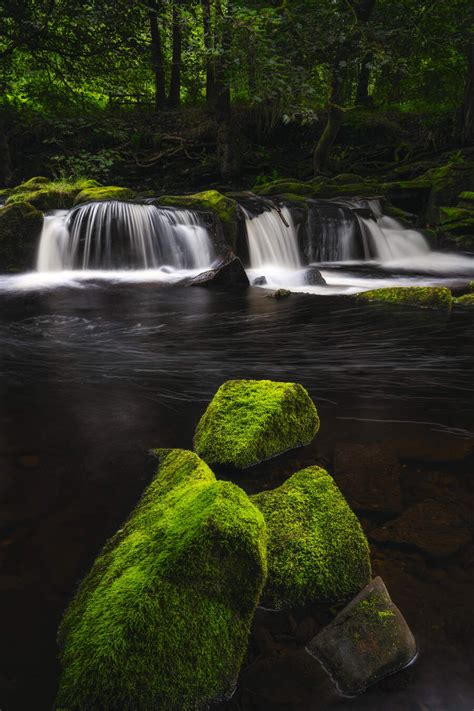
(93, 377)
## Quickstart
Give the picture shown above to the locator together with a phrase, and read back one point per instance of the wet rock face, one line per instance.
(260, 281)
(369, 477)
(227, 273)
(366, 642)
(436, 529)
(313, 277)
(20, 228)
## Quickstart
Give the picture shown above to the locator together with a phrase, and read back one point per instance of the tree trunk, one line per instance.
(209, 45)
(5, 154)
(174, 98)
(362, 94)
(157, 57)
(468, 106)
(362, 10)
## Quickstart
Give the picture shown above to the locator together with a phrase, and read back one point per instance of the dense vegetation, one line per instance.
(214, 90)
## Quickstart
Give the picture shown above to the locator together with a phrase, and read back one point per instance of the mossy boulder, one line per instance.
(20, 228)
(251, 420)
(279, 187)
(223, 209)
(426, 296)
(162, 619)
(279, 294)
(466, 199)
(49, 195)
(317, 551)
(108, 192)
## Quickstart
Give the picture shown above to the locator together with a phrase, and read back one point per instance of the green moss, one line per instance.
(278, 187)
(108, 192)
(466, 300)
(251, 420)
(467, 196)
(454, 214)
(20, 228)
(427, 296)
(296, 199)
(49, 195)
(317, 551)
(162, 619)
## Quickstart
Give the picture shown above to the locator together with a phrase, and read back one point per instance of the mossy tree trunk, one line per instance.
(174, 97)
(157, 55)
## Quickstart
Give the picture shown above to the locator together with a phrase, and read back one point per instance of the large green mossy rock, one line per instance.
(48, 195)
(252, 420)
(317, 551)
(162, 619)
(426, 296)
(224, 210)
(108, 192)
(20, 228)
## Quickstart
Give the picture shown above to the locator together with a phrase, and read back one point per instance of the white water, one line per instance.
(270, 241)
(119, 235)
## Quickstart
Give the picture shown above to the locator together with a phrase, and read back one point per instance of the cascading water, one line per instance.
(120, 235)
(271, 242)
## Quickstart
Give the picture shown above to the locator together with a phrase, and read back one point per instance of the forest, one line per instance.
(236, 355)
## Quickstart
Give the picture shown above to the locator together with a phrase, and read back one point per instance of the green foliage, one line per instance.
(251, 420)
(162, 619)
(97, 165)
(425, 296)
(317, 551)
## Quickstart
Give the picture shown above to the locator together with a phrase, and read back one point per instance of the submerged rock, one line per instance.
(369, 477)
(228, 272)
(366, 642)
(279, 294)
(432, 297)
(313, 277)
(20, 228)
(317, 551)
(438, 529)
(162, 619)
(251, 420)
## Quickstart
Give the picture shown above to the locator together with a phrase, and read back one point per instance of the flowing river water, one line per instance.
(98, 368)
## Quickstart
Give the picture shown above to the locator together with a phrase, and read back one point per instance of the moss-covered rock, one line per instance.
(279, 294)
(426, 296)
(20, 228)
(466, 300)
(223, 209)
(108, 192)
(466, 199)
(49, 195)
(278, 187)
(317, 551)
(251, 420)
(162, 619)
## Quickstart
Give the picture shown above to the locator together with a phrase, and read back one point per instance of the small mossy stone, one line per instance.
(279, 294)
(163, 618)
(317, 551)
(252, 420)
(20, 228)
(426, 296)
(108, 192)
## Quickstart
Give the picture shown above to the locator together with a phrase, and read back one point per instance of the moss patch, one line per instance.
(317, 551)
(466, 300)
(426, 296)
(251, 420)
(109, 192)
(48, 195)
(20, 228)
(162, 619)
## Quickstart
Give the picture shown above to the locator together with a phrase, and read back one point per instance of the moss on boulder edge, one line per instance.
(107, 192)
(20, 228)
(48, 195)
(432, 297)
(317, 551)
(465, 300)
(251, 420)
(162, 619)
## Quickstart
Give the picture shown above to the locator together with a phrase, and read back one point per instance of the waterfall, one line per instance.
(271, 242)
(385, 240)
(121, 235)
(333, 233)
